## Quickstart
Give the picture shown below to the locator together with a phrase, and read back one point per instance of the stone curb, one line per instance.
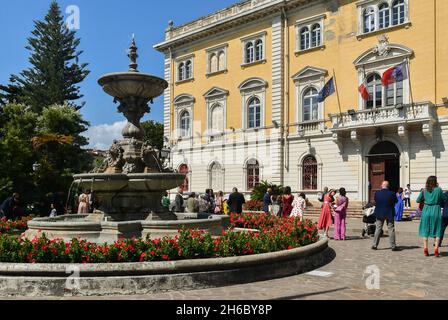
(58, 280)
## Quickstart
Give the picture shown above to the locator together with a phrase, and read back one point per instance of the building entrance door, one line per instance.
(384, 164)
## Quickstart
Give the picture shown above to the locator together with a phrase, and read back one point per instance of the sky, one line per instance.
(105, 29)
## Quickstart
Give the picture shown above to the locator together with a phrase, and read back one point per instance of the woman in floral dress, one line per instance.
(325, 219)
(298, 206)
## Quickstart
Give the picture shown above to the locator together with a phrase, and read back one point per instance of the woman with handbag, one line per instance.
(340, 214)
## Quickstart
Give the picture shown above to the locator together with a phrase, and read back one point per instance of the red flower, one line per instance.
(152, 253)
(142, 257)
(165, 257)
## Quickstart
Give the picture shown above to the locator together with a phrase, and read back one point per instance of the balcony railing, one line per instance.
(310, 128)
(418, 112)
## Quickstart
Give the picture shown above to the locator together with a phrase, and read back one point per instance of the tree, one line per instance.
(259, 191)
(40, 153)
(16, 150)
(153, 133)
(55, 71)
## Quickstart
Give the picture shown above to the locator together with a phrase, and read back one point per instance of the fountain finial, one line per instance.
(133, 56)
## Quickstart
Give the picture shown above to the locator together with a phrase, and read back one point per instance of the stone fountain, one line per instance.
(134, 178)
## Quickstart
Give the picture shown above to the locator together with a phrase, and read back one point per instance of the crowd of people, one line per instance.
(389, 207)
(205, 204)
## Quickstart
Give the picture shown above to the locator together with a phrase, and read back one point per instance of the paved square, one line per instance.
(403, 275)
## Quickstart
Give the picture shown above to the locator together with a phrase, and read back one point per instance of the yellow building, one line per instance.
(243, 101)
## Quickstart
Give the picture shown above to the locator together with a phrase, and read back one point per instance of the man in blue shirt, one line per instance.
(267, 200)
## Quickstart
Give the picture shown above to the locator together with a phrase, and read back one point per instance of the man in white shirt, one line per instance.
(407, 196)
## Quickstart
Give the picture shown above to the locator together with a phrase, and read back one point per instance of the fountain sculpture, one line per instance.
(134, 178)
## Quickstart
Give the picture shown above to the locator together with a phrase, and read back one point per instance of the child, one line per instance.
(53, 212)
(225, 207)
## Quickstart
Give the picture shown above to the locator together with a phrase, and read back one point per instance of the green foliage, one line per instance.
(56, 162)
(153, 133)
(55, 70)
(17, 155)
(259, 191)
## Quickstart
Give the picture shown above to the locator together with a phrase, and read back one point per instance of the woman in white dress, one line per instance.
(298, 206)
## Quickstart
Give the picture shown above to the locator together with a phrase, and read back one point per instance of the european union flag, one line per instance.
(327, 90)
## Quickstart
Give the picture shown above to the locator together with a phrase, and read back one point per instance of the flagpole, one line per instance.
(337, 94)
(410, 85)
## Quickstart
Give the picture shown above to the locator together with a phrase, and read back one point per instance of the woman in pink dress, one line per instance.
(340, 213)
(287, 200)
(83, 206)
(325, 222)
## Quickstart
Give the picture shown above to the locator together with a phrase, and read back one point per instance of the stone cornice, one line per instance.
(238, 14)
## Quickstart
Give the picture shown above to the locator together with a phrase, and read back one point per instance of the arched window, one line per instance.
(221, 61)
(259, 50)
(184, 124)
(185, 170)
(213, 63)
(309, 173)
(254, 112)
(252, 174)
(384, 15)
(310, 105)
(249, 52)
(398, 12)
(188, 70)
(394, 94)
(304, 38)
(181, 71)
(216, 176)
(369, 20)
(217, 118)
(375, 89)
(316, 36)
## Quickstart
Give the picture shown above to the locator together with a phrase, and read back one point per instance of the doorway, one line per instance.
(384, 164)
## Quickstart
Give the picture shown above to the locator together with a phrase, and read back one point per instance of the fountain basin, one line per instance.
(67, 227)
(132, 84)
(130, 197)
(134, 181)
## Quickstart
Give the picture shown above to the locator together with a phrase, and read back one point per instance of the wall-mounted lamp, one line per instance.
(351, 112)
(445, 100)
(399, 106)
(232, 128)
(275, 123)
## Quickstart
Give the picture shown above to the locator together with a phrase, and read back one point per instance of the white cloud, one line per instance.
(102, 136)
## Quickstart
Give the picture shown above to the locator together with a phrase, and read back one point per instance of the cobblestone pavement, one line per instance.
(404, 275)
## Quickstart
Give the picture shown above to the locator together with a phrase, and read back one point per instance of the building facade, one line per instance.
(243, 101)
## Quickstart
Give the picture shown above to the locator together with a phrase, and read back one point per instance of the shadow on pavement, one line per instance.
(301, 296)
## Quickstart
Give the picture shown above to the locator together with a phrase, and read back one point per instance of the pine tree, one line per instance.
(55, 71)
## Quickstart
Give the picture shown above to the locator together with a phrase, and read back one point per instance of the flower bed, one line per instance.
(275, 234)
(253, 205)
(9, 226)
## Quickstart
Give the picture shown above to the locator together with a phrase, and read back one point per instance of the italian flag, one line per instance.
(363, 90)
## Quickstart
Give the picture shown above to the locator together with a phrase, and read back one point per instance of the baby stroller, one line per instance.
(369, 220)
